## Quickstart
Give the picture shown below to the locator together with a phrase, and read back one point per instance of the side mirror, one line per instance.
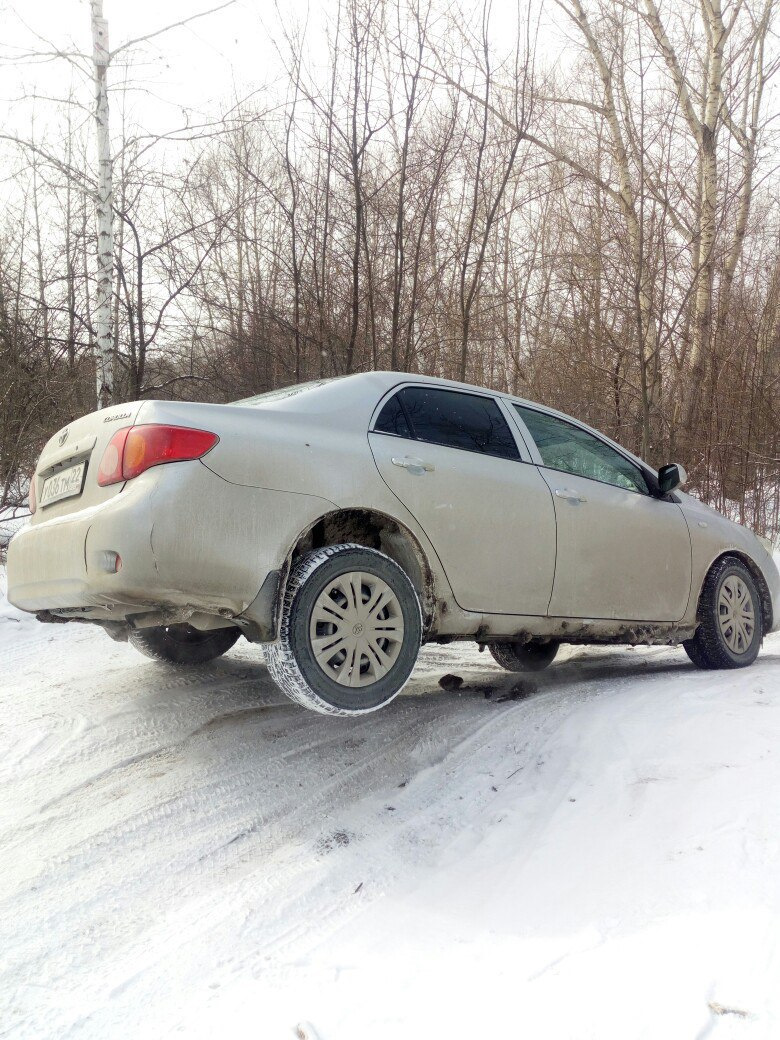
(671, 477)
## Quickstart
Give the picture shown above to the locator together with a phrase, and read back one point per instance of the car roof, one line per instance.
(391, 379)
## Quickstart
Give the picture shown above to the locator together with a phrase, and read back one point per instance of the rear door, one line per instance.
(622, 553)
(452, 459)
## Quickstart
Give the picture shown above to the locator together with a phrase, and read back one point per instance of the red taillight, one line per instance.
(32, 502)
(137, 448)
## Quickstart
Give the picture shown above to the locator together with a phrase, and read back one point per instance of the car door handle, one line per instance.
(570, 496)
(413, 465)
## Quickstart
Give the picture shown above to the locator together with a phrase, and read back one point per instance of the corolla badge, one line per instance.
(63, 436)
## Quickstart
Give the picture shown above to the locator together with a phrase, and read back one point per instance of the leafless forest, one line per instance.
(586, 215)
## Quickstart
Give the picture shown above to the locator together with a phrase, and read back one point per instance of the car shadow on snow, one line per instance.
(272, 773)
(501, 686)
(235, 699)
(240, 688)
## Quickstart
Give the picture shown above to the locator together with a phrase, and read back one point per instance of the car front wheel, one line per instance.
(730, 627)
(350, 631)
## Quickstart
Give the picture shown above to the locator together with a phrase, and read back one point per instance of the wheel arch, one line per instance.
(757, 575)
(375, 530)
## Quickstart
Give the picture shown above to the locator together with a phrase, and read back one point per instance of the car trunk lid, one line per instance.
(66, 474)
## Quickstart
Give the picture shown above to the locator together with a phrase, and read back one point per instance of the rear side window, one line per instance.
(451, 418)
(392, 419)
(572, 450)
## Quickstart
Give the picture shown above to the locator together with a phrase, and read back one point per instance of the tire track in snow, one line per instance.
(292, 921)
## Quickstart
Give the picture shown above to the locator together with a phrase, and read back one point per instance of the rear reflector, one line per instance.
(108, 561)
(135, 449)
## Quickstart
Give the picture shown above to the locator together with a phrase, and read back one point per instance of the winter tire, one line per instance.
(350, 631)
(730, 624)
(183, 644)
(524, 657)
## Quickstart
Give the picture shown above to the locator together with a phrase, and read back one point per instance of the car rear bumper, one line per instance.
(63, 563)
(186, 539)
(46, 565)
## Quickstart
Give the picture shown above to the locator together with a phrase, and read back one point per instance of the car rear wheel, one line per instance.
(730, 624)
(524, 657)
(183, 644)
(350, 631)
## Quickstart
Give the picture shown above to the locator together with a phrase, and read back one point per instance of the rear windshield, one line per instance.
(283, 393)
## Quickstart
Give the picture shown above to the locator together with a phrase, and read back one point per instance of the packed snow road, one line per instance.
(590, 852)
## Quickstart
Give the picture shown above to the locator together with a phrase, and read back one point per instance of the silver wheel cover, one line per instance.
(356, 629)
(736, 614)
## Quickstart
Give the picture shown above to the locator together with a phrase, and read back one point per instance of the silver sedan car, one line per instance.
(346, 521)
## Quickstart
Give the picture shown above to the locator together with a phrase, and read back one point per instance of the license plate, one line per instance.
(65, 484)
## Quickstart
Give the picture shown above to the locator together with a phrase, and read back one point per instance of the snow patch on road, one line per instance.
(588, 852)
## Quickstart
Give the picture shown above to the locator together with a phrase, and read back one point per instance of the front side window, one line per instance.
(451, 418)
(572, 450)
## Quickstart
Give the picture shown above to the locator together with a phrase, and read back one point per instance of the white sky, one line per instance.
(199, 67)
(192, 67)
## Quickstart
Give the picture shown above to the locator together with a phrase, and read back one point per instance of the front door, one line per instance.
(452, 460)
(622, 553)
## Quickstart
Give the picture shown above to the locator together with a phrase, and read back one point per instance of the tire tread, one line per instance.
(517, 657)
(706, 649)
(152, 643)
(280, 656)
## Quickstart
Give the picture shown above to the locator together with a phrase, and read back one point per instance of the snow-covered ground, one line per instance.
(590, 853)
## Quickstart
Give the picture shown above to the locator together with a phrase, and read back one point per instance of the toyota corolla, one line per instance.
(344, 522)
